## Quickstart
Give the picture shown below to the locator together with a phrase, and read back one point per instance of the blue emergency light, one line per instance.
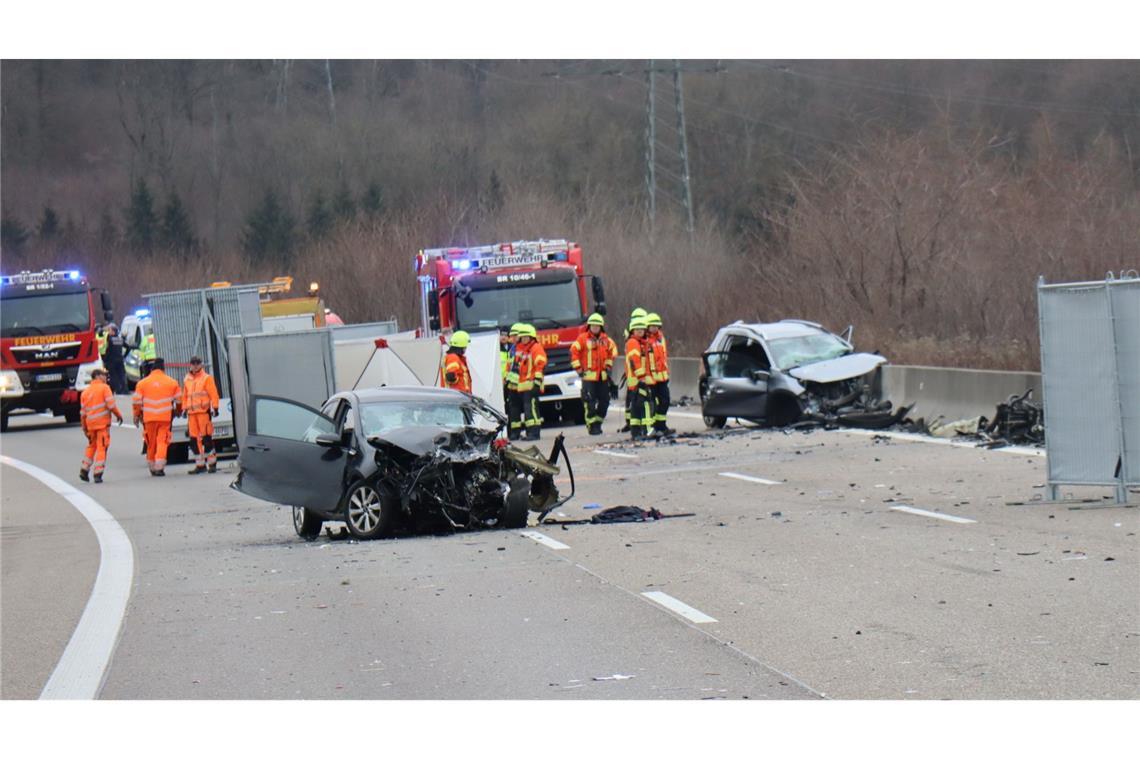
(142, 312)
(464, 264)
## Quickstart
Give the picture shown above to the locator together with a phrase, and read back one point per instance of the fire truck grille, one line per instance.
(557, 360)
(28, 355)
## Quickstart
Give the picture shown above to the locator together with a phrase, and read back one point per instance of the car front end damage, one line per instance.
(468, 478)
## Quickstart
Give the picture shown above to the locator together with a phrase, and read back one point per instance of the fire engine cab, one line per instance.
(48, 347)
(490, 287)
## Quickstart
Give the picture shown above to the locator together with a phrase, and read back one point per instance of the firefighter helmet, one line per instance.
(460, 339)
(638, 312)
(638, 323)
(653, 319)
(596, 319)
(517, 328)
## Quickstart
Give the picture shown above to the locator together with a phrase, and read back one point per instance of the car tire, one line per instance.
(783, 410)
(369, 511)
(306, 523)
(714, 422)
(516, 507)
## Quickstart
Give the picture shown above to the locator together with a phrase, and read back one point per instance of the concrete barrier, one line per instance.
(953, 394)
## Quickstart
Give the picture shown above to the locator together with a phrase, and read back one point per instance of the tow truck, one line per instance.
(48, 347)
(489, 287)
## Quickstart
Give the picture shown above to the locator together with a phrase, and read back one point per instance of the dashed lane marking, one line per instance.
(935, 515)
(749, 478)
(1023, 450)
(80, 671)
(615, 454)
(546, 541)
(676, 605)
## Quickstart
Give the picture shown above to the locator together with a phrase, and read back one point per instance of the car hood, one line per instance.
(425, 439)
(842, 368)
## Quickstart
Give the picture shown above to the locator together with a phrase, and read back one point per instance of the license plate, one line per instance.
(50, 377)
(222, 432)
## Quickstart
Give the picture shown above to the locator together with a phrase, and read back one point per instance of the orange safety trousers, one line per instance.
(157, 440)
(201, 430)
(95, 457)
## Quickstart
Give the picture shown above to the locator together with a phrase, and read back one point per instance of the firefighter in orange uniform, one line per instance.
(638, 380)
(156, 401)
(532, 367)
(455, 373)
(659, 368)
(96, 405)
(200, 405)
(592, 357)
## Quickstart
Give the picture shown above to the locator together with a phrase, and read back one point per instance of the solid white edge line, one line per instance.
(678, 606)
(615, 454)
(80, 671)
(1022, 450)
(545, 540)
(936, 515)
(749, 478)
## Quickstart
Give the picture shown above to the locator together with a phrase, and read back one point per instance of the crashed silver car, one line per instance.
(395, 459)
(791, 371)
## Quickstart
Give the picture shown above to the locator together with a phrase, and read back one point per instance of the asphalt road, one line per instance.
(837, 595)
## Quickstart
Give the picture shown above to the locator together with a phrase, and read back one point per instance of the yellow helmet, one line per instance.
(596, 319)
(653, 319)
(638, 312)
(517, 328)
(529, 330)
(638, 323)
(460, 339)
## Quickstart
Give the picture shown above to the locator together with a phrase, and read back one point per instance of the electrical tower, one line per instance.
(672, 165)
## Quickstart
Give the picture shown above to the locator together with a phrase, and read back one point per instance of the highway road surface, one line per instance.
(814, 565)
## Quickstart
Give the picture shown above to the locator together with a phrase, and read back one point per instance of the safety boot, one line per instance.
(159, 473)
(636, 432)
(212, 468)
(99, 478)
(83, 476)
(595, 428)
(533, 434)
(196, 471)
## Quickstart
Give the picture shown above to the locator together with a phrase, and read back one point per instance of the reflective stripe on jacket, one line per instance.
(199, 393)
(592, 357)
(455, 373)
(96, 405)
(636, 364)
(531, 359)
(658, 358)
(156, 397)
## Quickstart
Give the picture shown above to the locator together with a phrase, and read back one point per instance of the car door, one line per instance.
(737, 379)
(281, 460)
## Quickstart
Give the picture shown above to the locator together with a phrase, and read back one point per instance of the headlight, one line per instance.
(83, 379)
(10, 385)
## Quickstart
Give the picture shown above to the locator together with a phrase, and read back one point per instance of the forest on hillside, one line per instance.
(917, 200)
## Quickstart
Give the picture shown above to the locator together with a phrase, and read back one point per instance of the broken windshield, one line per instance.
(806, 349)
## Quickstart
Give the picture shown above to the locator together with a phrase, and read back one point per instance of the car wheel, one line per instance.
(306, 523)
(714, 422)
(368, 512)
(517, 505)
(783, 410)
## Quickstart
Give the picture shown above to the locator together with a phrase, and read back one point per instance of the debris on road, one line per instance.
(620, 514)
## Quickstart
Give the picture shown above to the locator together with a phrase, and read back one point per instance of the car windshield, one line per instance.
(44, 315)
(555, 304)
(806, 349)
(381, 416)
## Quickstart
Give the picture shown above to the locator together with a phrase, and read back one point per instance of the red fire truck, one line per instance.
(487, 287)
(47, 340)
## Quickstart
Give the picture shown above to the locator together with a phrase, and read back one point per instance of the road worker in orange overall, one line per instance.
(96, 405)
(200, 405)
(157, 399)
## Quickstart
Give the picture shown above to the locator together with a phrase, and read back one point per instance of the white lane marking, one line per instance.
(534, 535)
(678, 606)
(935, 515)
(749, 478)
(1023, 450)
(80, 671)
(687, 415)
(615, 454)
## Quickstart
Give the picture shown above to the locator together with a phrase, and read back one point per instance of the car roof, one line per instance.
(408, 393)
(774, 330)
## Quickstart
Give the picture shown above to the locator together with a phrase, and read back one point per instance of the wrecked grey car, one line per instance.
(786, 372)
(396, 459)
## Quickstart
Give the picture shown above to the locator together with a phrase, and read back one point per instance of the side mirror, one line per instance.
(346, 437)
(328, 440)
(599, 296)
(433, 310)
(108, 307)
(759, 375)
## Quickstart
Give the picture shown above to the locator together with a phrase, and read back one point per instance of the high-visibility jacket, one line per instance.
(636, 363)
(455, 373)
(101, 336)
(156, 397)
(511, 375)
(96, 405)
(658, 356)
(199, 393)
(147, 348)
(505, 361)
(532, 365)
(592, 356)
